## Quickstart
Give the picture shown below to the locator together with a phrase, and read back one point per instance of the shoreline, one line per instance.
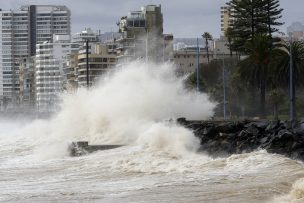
(224, 138)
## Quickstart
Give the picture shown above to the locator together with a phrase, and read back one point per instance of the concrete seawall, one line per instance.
(83, 148)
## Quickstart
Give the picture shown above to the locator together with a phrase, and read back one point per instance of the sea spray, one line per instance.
(128, 106)
(295, 195)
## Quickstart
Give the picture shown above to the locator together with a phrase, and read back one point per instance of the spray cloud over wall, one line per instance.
(129, 106)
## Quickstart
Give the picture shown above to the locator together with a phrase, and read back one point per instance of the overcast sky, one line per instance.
(182, 18)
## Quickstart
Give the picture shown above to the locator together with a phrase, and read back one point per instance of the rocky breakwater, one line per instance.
(220, 138)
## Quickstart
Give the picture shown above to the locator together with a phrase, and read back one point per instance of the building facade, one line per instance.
(186, 60)
(226, 18)
(85, 35)
(27, 82)
(49, 71)
(168, 54)
(221, 46)
(142, 35)
(20, 31)
(101, 58)
(296, 29)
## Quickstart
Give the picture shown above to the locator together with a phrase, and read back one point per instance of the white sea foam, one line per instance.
(296, 194)
(128, 106)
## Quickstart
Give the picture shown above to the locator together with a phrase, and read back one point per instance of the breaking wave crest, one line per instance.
(296, 195)
(132, 105)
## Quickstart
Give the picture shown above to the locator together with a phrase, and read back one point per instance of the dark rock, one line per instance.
(253, 130)
(226, 128)
(287, 125)
(262, 124)
(194, 125)
(223, 138)
(243, 134)
(210, 131)
(264, 140)
(284, 134)
(272, 126)
(181, 121)
(299, 129)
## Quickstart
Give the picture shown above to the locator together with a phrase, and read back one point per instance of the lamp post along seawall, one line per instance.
(224, 88)
(291, 83)
(87, 63)
(197, 67)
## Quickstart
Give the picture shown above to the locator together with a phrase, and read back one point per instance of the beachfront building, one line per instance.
(20, 31)
(49, 70)
(101, 58)
(226, 18)
(71, 60)
(142, 35)
(296, 29)
(85, 35)
(186, 59)
(27, 82)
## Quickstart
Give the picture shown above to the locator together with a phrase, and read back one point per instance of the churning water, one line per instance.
(159, 163)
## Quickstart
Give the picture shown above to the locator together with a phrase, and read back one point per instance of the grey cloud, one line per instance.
(183, 18)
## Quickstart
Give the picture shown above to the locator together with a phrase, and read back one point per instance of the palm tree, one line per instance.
(236, 93)
(282, 60)
(282, 65)
(207, 36)
(255, 68)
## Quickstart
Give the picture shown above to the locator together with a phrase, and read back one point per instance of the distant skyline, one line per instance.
(182, 18)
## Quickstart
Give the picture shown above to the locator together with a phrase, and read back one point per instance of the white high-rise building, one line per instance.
(49, 70)
(85, 35)
(20, 31)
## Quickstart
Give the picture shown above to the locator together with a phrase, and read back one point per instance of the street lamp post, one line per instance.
(291, 84)
(197, 67)
(224, 87)
(147, 45)
(87, 63)
(164, 48)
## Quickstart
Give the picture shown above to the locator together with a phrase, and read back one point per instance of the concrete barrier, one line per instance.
(82, 148)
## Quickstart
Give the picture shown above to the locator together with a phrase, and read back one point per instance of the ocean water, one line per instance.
(134, 106)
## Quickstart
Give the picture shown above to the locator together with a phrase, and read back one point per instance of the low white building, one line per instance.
(186, 59)
(49, 74)
(221, 47)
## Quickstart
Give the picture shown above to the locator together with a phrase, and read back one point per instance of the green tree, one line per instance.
(282, 65)
(251, 17)
(247, 15)
(207, 36)
(255, 68)
(273, 15)
(236, 93)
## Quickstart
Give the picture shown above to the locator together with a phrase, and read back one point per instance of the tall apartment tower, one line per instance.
(49, 70)
(226, 18)
(142, 34)
(20, 31)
